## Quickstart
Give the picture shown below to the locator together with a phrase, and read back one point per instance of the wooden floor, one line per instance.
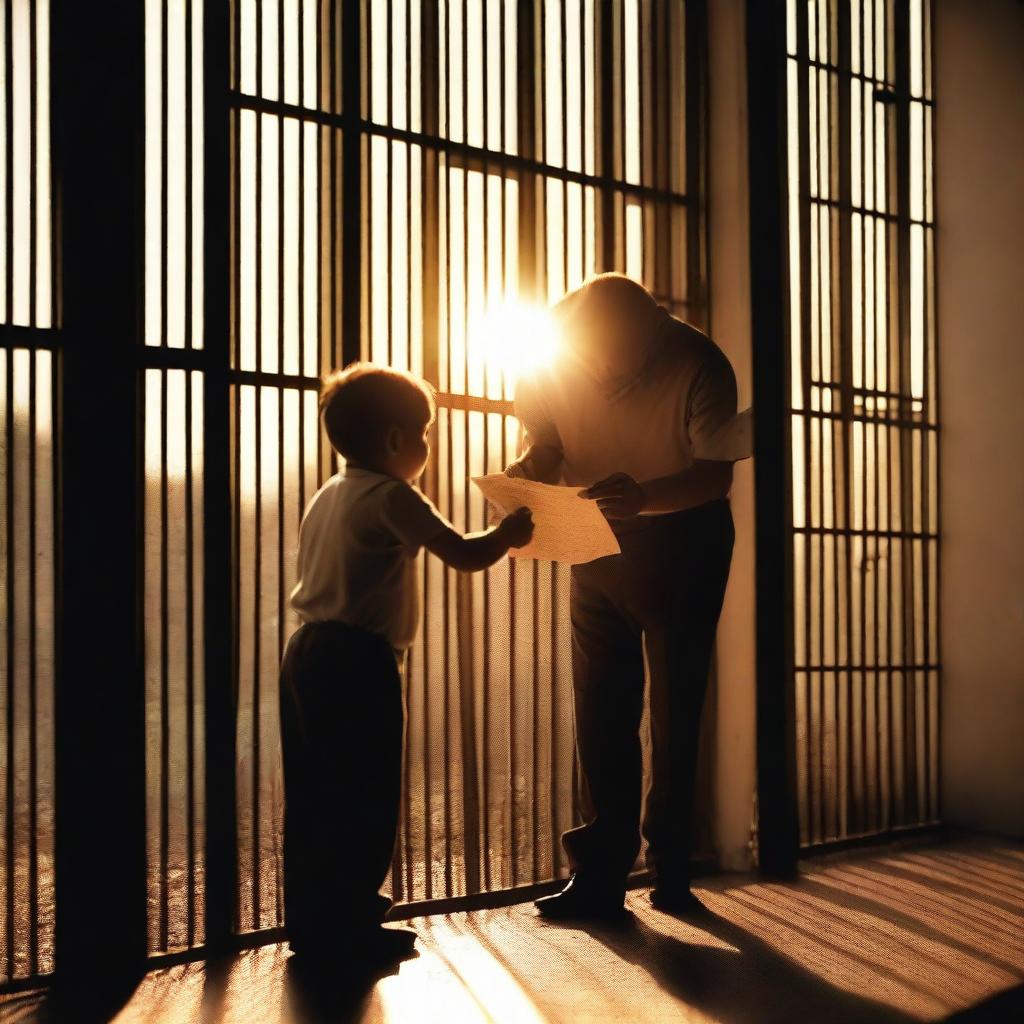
(910, 935)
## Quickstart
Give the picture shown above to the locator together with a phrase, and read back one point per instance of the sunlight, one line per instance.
(517, 338)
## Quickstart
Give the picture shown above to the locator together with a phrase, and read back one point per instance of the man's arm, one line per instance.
(540, 462)
(704, 481)
(620, 496)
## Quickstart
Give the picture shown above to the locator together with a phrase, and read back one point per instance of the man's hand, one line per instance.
(618, 496)
(539, 462)
(516, 528)
(519, 469)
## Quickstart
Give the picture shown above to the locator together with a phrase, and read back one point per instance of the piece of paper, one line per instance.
(566, 527)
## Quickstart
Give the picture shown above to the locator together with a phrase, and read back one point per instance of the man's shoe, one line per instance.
(364, 948)
(677, 900)
(386, 945)
(584, 900)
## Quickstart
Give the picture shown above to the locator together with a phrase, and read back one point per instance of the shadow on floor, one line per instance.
(747, 984)
(329, 996)
(999, 1009)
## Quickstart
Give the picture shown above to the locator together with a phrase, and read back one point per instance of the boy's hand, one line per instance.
(517, 528)
(618, 496)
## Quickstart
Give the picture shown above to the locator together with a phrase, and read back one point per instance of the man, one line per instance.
(638, 411)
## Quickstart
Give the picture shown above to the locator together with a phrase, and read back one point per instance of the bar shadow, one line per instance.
(890, 911)
(750, 983)
(22, 1007)
(951, 885)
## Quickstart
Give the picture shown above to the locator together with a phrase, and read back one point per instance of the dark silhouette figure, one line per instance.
(634, 412)
(341, 690)
(341, 740)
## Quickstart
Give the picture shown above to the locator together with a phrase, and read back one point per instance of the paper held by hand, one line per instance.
(566, 527)
(732, 442)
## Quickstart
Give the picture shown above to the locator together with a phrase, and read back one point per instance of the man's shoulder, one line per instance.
(691, 349)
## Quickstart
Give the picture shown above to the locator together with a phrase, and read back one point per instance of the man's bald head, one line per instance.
(608, 322)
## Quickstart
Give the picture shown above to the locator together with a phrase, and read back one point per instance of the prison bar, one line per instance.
(864, 417)
(468, 183)
(28, 495)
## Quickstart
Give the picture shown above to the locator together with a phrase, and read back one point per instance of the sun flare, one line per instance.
(518, 338)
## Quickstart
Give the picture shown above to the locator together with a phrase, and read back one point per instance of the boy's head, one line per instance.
(378, 418)
(608, 322)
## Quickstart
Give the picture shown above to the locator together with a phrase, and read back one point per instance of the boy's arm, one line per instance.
(478, 551)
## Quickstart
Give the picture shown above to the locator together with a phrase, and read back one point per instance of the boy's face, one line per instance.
(407, 451)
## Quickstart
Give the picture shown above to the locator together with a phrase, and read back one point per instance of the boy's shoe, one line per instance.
(584, 899)
(676, 899)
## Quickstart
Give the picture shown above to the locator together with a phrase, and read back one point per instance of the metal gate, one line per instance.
(864, 417)
(28, 521)
(387, 174)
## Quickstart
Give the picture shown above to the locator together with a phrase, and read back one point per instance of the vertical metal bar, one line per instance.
(281, 606)
(190, 795)
(890, 338)
(388, 190)
(695, 120)
(804, 190)
(934, 403)
(901, 40)
(818, 498)
(841, 541)
(97, 131)
(33, 682)
(257, 569)
(164, 839)
(447, 482)
(10, 795)
(863, 818)
(766, 99)
(341, 343)
(464, 588)
(429, 57)
(541, 268)
(165, 710)
(485, 814)
(622, 229)
(367, 325)
(606, 122)
(351, 255)
(221, 270)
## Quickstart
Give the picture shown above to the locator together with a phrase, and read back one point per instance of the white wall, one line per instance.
(979, 136)
(728, 221)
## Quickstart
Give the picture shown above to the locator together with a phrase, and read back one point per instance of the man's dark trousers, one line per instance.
(665, 592)
(341, 741)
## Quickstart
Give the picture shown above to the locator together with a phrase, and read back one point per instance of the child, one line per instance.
(341, 697)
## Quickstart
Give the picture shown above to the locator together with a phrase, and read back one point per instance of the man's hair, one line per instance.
(603, 298)
(358, 405)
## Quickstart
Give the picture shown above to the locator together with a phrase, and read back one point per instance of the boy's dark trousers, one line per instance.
(341, 739)
(665, 591)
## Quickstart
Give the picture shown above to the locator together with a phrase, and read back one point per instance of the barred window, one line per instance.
(864, 415)
(28, 492)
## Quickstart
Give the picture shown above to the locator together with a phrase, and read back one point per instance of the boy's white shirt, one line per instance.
(358, 542)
